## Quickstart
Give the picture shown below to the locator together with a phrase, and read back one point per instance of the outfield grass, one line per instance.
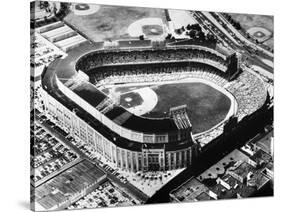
(206, 106)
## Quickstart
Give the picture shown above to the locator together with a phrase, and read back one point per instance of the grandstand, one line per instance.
(180, 117)
(137, 143)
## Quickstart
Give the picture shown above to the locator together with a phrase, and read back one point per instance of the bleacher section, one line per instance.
(108, 58)
(180, 117)
(249, 91)
(164, 74)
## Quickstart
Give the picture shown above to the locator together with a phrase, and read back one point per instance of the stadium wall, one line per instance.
(126, 159)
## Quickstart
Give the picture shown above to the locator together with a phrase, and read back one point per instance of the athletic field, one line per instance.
(111, 23)
(206, 105)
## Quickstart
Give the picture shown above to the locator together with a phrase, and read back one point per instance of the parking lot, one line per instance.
(48, 155)
(106, 195)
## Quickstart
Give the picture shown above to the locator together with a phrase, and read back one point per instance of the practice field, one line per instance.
(111, 23)
(259, 27)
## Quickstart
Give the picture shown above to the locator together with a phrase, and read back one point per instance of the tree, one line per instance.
(168, 36)
(196, 27)
(211, 38)
(178, 31)
(238, 26)
(55, 9)
(192, 33)
(201, 35)
(45, 5)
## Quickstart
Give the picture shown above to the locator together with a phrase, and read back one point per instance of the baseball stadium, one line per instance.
(149, 109)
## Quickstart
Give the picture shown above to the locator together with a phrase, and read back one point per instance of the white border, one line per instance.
(15, 103)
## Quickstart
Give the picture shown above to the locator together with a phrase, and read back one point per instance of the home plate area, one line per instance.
(139, 101)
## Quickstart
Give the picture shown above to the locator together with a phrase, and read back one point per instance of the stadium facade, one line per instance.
(71, 98)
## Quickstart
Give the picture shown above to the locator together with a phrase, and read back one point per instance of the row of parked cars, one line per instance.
(48, 154)
(63, 157)
(87, 149)
(106, 195)
(114, 172)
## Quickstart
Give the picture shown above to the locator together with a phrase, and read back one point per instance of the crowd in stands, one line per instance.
(249, 91)
(207, 137)
(93, 60)
(157, 74)
(250, 94)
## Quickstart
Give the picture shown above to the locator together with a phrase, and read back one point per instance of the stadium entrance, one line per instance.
(153, 159)
(153, 162)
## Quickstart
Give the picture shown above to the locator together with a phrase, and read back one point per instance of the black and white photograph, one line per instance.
(139, 105)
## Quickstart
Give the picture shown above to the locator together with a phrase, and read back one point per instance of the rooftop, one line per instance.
(220, 167)
(234, 176)
(59, 189)
(266, 143)
(261, 157)
(191, 190)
